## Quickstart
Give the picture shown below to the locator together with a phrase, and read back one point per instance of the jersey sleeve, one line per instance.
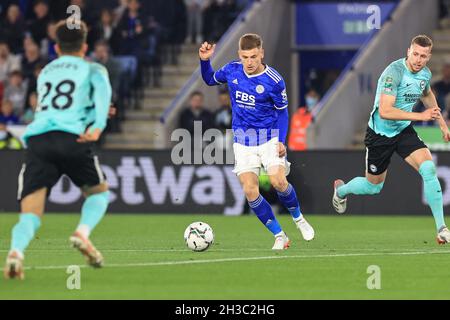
(390, 81)
(102, 95)
(279, 95)
(428, 85)
(211, 77)
(220, 76)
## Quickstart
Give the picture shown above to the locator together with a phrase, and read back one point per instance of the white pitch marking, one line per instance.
(185, 262)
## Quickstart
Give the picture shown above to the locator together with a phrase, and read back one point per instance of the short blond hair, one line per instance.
(250, 41)
(423, 41)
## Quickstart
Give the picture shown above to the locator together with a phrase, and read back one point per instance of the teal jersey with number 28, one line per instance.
(72, 95)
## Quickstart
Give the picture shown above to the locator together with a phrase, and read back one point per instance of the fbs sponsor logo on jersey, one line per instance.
(245, 98)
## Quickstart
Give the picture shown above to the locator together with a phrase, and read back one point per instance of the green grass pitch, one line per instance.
(146, 258)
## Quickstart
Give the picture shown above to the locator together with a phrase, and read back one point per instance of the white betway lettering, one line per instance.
(238, 194)
(167, 183)
(128, 171)
(211, 190)
(135, 177)
(62, 195)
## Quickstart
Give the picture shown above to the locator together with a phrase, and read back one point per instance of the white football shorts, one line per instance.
(251, 158)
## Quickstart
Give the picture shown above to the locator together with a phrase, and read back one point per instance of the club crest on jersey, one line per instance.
(422, 85)
(260, 89)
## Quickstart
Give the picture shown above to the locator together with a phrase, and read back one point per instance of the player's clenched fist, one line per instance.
(431, 114)
(206, 51)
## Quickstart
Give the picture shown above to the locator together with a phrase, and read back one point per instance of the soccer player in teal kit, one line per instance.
(400, 86)
(74, 99)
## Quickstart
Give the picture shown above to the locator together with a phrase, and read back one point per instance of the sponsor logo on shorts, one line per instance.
(373, 168)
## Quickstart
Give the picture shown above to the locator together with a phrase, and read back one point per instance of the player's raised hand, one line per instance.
(431, 114)
(90, 136)
(206, 51)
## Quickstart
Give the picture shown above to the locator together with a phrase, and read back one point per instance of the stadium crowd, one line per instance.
(131, 38)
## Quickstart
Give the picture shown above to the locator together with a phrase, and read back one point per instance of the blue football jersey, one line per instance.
(255, 100)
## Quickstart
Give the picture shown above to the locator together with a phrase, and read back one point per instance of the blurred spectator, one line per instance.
(7, 140)
(38, 26)
(444, 6)
(8, 62)
(222, 121)
(442, 88)
(48, 44)
(195, 10)
(119, 11)
(131, 30)
(300, 122)
(219, 15)
(7, 115)
(28, 115)
(103, 30)
(196, 112)
(16, 92)
(12, 29)
(30, 58)
(133, 39)
(32, 82)
(103, 56)
(222, 117)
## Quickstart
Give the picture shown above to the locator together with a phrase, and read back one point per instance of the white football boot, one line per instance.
(93, 257)
(305, 228)
(443, 235)
(339, 204)
(282, 242)
(14, 266)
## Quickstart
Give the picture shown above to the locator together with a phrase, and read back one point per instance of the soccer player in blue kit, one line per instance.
(400, 86)
(260, 124)
(74, 99)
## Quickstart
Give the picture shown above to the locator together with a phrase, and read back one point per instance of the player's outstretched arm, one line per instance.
(430, 102)
(389, 112)
(210, 77)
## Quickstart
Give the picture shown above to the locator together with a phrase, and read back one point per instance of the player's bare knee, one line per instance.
(251, 191)
(34, 202)
(102, 187)
(280, 184)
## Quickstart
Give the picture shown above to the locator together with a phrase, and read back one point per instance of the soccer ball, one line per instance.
(199, 236)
